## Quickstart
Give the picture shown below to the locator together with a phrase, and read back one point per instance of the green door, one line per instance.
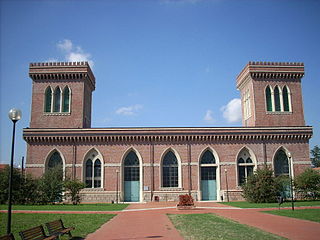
(131, 191)
(208, 183)
(131, 178)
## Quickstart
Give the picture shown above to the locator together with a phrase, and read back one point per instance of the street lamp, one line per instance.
(226, 172)
(14, 115)
(290, 163)
(117, 171)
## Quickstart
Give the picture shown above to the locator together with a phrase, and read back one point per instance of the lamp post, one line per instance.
(14, 115)
(117, 171)
(226, 172)
(291, 180)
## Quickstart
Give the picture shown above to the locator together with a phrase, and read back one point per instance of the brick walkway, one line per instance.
(149, 221)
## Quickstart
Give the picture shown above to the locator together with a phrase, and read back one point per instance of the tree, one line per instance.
(73, 188)
(51, 185)
(261, 187)
(315, 159)
(308, 183)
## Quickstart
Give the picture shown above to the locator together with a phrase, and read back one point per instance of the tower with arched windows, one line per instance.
(61, 94)
(271, 94)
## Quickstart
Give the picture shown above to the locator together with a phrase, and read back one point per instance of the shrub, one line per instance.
(185, 200)
(261, 187)
(73, 188)
(308, 184)
(51, 186)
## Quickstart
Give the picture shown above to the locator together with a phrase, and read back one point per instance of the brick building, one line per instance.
(140, 164)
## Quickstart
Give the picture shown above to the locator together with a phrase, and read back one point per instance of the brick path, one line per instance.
(149, 221)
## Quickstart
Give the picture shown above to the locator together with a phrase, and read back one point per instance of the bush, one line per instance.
(308, 184)
(261, 187)
(51, 186)
(185, 200)
(24, 189)
(73, 188)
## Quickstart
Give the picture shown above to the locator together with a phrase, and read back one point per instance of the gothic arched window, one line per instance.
(57, 100)
(268, 99)
(285, 96)
(245, 166)
(88, 172)
(281, 164)
(170, 173)
(66, 100)
(48, 100)
(277, 99)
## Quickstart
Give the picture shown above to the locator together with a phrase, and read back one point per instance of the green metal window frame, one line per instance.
(285, 96)
(268, 99)
(48, 99)
(57, 100)
(66, 100)
(277, 99)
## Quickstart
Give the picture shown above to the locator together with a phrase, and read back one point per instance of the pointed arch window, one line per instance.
(55, 162)
(285, 96)
(170, 173)
(57, 100)
(66, 100)
(48, 100)
(208, 158)
(93, 170)
(88, 177)
(245, 166)
(281, 164)
(277, 99)
(131, 167)
(268, 99)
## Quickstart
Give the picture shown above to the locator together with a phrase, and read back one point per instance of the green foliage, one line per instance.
(24, 189)
(315, 152)
(262, 187)
(51, 186)
(73, 188)
(308, 184)
(306, 214)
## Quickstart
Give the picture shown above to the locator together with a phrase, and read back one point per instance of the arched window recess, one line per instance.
(93, 170)
(245, 166)
(170, 170)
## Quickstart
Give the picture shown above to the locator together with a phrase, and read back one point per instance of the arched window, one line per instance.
(285, 96)
(131, 167)
(170, 175)
(245, 166)
(48, 100)
(66, 100)
(277, 99)
(207, 158)
(93, 170)
(55, 160)
(97, 173)
(88, 171)
(57, 100)
(268, 99)
(281, 164)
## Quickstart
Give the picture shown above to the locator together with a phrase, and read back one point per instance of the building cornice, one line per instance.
(182, 134)
(271, 70)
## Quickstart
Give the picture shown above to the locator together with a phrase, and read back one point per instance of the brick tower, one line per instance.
(61, 94)
(271, 94)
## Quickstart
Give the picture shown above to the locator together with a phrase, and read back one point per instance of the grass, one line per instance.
(70, 207)
(83, 223)
(271, 205)
(210, 226)
(306, 214)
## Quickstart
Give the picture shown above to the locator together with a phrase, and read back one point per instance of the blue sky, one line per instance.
(156, 62)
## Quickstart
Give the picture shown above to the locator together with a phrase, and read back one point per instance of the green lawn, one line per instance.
(83, 223)
(70, 207)
(306, 214)
(210, 226)
(271, 205)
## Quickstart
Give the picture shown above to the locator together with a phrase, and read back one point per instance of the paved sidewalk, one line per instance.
(149, 221)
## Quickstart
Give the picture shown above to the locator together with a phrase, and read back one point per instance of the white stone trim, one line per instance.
(112, 165)
(35, 165)
(227, 163)
(302, 162)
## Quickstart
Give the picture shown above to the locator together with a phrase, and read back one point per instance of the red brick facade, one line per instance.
(71, 136)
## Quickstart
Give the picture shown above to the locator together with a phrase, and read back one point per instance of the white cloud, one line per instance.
(128, 111)
(208, 117)
(65, 45)
(232, 111)
(74, 53)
